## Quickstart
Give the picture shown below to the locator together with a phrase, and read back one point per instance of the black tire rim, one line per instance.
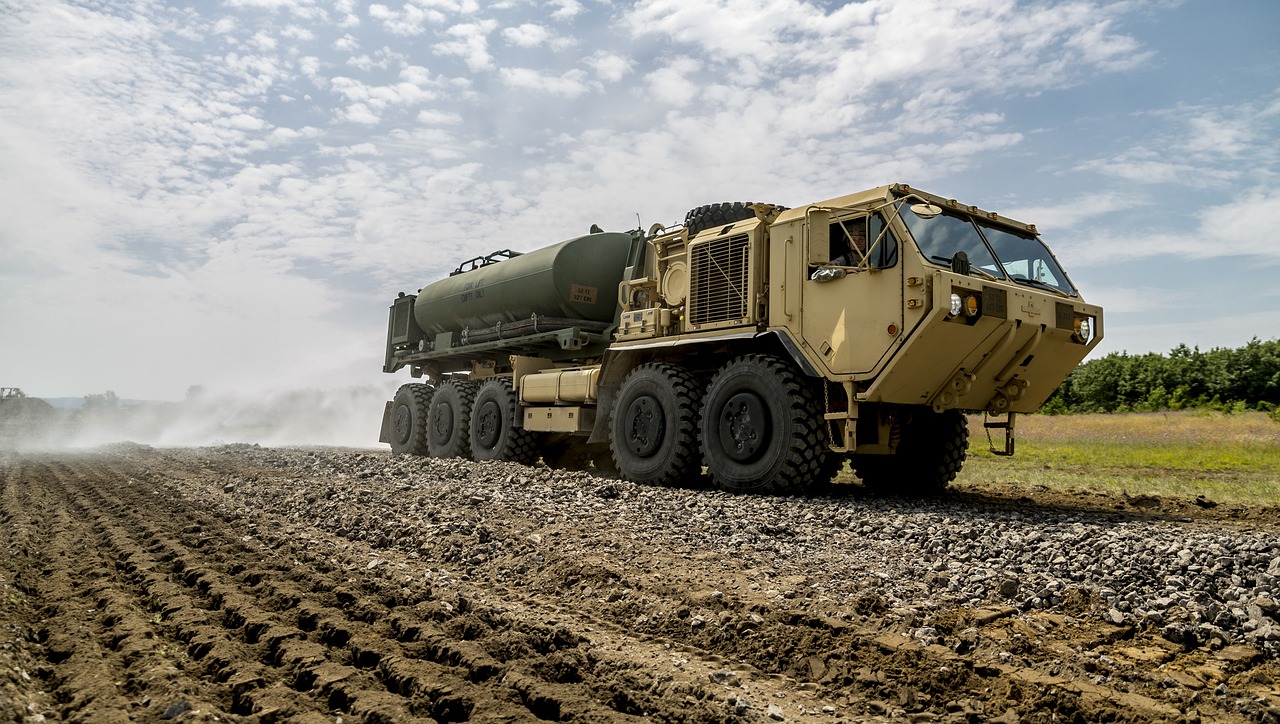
(744, 427)
(489, 425)
(644, 426)
(403, 423)
(442, 425)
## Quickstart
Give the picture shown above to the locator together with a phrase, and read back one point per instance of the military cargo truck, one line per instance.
(763, 346)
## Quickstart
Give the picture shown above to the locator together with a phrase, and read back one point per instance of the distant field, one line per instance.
(1187, 453)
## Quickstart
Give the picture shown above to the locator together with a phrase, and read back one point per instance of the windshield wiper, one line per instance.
(1040, 285)
(972, 269)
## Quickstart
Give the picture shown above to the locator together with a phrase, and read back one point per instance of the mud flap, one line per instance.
(385, 434)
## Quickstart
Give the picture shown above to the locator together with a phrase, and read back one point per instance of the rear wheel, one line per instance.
(762, 428)
(494, 434)
(932, 451)
(409, 419)
(449, 429)
(654, 425)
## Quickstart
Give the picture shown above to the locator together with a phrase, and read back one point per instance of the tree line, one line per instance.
(1231, 380)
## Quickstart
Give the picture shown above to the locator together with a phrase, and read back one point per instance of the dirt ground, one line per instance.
(234, 584)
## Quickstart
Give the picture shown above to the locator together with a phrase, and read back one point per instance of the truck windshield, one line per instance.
(1027, 260)
(997, 252)
(942, 236)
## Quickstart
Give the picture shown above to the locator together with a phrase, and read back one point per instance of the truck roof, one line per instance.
(899, 190)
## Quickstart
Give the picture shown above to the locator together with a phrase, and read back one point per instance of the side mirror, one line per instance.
(819, 223)
(926, 211)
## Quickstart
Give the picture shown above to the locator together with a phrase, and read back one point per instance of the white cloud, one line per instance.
(671, 84)
(527, 35)
(1242, 227)
(567, 85)
(295, 32)
(609, 68)
(296, 5)
(565, 9)
(438, 118)
(410, 20)
(471, 44)
(1089, 210)
(1201, 146)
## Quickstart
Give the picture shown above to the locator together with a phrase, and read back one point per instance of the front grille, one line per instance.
(720, 282)
(994, 302)
(1065, 317)
(402, 316)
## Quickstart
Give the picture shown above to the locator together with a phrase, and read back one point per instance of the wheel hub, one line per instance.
(403, 423)
(489, 425)
(442, 423)
(744, 427)
(644, 426)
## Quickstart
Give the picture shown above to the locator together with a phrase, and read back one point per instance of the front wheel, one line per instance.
(930, 455)
(762, 428)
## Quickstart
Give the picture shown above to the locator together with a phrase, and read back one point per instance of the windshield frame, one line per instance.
(1006, 237)
(1002, 240)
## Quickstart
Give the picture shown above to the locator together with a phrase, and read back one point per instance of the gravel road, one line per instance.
(240, 583)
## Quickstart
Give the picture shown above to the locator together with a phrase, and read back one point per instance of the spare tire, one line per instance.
(713, 215)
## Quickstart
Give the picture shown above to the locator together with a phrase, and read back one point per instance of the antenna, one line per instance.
(638, 224)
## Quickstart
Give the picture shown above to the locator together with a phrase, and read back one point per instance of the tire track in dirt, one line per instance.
(154, 608)
(239, 585)
(254, 639)
(869, 668)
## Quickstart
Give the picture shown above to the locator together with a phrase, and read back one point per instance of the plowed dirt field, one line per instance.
(243, 584)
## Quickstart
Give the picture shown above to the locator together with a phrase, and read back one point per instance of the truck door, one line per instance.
(852, 297)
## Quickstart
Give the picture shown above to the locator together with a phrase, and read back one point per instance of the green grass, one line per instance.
(1232, 458)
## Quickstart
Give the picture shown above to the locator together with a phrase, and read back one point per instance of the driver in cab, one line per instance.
(854, 238)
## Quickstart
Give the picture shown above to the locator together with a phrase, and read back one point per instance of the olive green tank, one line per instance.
(575, 279)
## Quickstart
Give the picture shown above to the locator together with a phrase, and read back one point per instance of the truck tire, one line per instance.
(713, 215)
(409, 419)
(932, 451)
(654, 426)
(762, 428)
(449, 428)
(494, 433)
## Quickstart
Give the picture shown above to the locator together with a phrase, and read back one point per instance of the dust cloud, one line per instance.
(349, 417)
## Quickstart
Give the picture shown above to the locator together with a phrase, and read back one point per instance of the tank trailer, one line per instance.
(761, 345)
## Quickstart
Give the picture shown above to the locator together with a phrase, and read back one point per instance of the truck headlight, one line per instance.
(957, 305)
(1083, 329)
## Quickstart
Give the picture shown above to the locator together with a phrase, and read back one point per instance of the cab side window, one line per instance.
(863, 241)
(885, 253)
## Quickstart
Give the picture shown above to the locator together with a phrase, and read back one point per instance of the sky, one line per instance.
(230, 193)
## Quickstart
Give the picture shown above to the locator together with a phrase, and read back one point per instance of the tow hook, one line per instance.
(951, 393)
(1007, 394)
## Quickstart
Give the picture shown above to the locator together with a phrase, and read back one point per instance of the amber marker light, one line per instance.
(971, 306)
